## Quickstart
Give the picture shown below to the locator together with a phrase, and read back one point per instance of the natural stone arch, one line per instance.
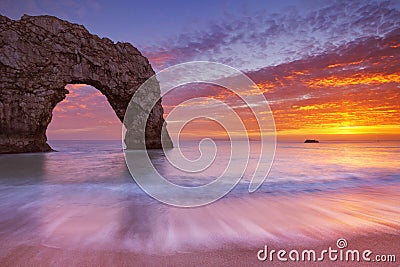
(39, 55)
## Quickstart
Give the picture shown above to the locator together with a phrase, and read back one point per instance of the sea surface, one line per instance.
(83, 196)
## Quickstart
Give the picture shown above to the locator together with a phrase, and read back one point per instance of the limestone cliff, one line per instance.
(39, 55)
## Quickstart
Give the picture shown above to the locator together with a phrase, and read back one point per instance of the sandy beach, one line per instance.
(230, 256)
(193, 237)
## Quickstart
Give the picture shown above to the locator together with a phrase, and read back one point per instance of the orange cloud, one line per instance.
(332, 81)
(345, 64)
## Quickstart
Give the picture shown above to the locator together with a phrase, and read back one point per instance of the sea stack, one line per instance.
(40, 55)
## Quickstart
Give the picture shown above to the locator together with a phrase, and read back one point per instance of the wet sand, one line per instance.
(227, 233)
(230, 256)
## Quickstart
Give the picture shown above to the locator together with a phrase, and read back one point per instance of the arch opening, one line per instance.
(85, 114)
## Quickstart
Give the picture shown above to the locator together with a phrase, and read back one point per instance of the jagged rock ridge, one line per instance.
(39, 55)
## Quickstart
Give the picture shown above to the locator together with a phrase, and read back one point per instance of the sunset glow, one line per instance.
(314, 98)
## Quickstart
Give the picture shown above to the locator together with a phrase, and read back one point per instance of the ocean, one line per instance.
(83, 196)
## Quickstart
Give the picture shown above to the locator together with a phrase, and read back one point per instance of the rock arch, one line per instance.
(39, 55)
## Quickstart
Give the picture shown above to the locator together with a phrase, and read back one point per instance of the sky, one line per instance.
(329, 69)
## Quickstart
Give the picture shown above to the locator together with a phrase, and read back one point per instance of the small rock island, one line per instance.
(311, 141)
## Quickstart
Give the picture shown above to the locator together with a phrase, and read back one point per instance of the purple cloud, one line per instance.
(264, 39)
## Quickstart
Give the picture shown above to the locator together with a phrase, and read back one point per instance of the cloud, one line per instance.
(263, 39)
